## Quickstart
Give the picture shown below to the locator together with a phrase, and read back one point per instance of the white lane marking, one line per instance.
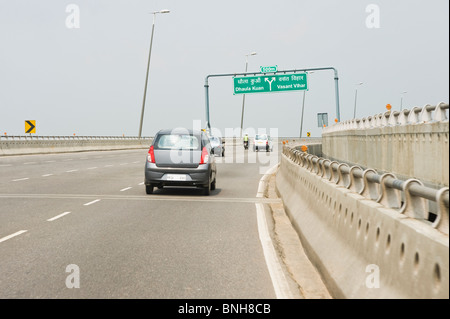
(58, 216)
(92, 167)
(279, 281)
(20, 179)
(46, 175)
(141, 184)
(136, 162)
(28, 163)
(125, 189)
(93, 202)
(12, 235)
(50, 161)
(73, 170)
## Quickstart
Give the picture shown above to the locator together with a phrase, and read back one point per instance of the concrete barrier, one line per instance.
(21, 145)
(411, 143)
(362, 247)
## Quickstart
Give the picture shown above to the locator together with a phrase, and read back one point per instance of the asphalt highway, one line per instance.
(79, 225)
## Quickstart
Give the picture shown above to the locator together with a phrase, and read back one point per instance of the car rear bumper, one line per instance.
(261, 146)
(164, 176)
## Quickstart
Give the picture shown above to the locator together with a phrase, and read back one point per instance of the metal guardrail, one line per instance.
(417, 115)
(385, 189)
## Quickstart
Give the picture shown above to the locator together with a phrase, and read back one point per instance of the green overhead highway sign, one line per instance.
(269, 69)
(270, 83)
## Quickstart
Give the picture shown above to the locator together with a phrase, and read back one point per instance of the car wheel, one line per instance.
(213, 185)
(149, 189)
(207, 189)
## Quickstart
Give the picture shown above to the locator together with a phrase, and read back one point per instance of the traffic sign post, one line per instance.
(322, 119)
(270, 83)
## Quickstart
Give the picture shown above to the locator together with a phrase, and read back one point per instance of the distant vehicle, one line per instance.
(263, 141)
(180, 157)
(218, 145)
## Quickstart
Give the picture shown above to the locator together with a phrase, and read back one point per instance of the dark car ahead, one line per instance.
(180, 157)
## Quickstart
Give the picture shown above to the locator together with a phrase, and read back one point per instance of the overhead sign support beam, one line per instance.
(336, 79)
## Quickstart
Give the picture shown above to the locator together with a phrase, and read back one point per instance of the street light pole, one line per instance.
(401, 100)
(243, 96)
(148, 67)
(303, 108)
(356, 94)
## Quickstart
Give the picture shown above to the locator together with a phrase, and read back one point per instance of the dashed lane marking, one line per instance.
(57, 216)
(12, 235)
(93, 202)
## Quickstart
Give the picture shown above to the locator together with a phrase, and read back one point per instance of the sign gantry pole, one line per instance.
(294, 85)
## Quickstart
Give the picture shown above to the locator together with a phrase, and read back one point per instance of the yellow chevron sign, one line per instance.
(30, 126)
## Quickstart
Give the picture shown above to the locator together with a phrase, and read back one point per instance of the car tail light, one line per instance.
(151, 155)
(205, 156)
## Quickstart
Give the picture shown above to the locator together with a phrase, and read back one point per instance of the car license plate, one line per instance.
(176, 177)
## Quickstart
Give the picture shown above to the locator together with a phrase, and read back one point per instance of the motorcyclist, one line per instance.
(246, 141)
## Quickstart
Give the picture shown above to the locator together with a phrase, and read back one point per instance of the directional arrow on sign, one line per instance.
(30, 126)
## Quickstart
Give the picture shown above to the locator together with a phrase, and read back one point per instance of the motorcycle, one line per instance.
(246, 145)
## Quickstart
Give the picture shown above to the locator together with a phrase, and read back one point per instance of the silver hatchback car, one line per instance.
(180, 157)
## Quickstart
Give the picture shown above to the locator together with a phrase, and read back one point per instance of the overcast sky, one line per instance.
(88, 79)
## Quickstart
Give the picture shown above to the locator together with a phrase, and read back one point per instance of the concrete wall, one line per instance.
(411, 144)
(20, 145)
(353, 240)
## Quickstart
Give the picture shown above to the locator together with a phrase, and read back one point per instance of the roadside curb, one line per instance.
(289, 247)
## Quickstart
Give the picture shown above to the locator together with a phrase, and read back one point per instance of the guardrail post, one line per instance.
(403, 117)
(334, 176)
(389, 197)
(413, 117)
(393, 118)
(414, 206)
(439, 112)
(370, 189)
(425, 114)
(442, 219)
(344, 178)
(326, 169)
(356, 182)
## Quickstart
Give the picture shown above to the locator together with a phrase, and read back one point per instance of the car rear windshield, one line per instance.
(261, 137)
(214, 141)
(177, 142)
